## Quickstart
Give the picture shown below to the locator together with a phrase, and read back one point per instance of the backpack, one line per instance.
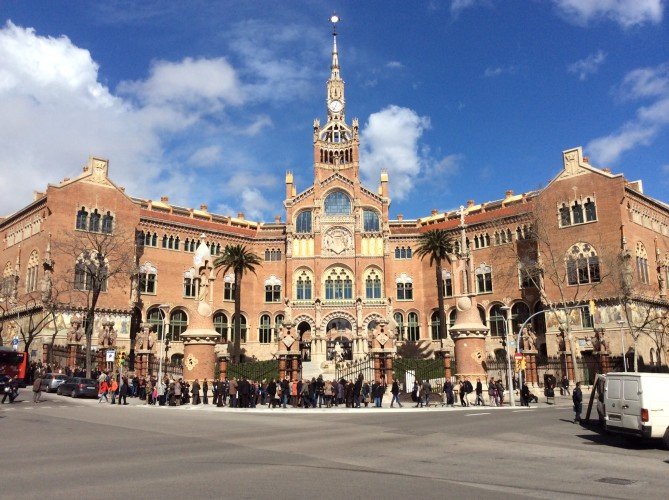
(468, 387)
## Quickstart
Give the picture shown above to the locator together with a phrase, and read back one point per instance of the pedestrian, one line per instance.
(177, 392)
(205, 390)
(414, 393)
(425, 392)
(395, 391)
(285, 392)
(500, 392)
(37, 387)
(195, 391)
(11, 390)
(215, 389)
(102, 391)
(479, 393)
(357, 391)
(461, 393)
(114, 390)
(271, 393)
(233, 386)
(492, 392)
(123, 391)
(577, 398)
(524, 395)
(468, 390)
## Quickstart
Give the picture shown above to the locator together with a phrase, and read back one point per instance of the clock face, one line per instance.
(336, 106)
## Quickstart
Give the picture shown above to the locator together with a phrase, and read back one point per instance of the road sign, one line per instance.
(518, 356)
(512, 343)
(111, 354)
(15, 343)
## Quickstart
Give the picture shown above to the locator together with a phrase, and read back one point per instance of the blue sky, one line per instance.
(211, 102)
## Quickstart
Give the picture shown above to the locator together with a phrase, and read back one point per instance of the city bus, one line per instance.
(13, 364)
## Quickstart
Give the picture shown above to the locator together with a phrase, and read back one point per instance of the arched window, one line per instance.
(577, 213)
(451, 317)
(178, 324)
(89, 274)
(434, 325)
(242, 328)
(519, 313)
(303, 222)
(155, 316)
(483, 279)
(448, 284)
(565, 216)
(582, 265)
(31, 275)
(539, 321)
(404, 285)
(107, 223)
(371, 221)
(229, 287)
(337, 203)
(190, 287)
(166, 241)
(221, 325)
(303, 285)
(482, 315)
(272, 289)
(373, 285)
(338, 285)
(176, 243)
(590, 210)
(278, 324)
(147, 278)
(94, 222)
(265, 329)
(154, 240)
(497, 321)
(413, 327)
(399, 329)
(82, 219)
(642, 263)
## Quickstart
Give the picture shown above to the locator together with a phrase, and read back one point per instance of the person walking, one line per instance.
(123, 391)
(195, 391)
(11, 390)
(37, 387)
(449, 398)
(492, 392)
(524, 395)
(500, 392)
(395, 391)
(102, 392)
(114, 390)
(425, 392)
(577, 398)
(468, 390)
(205, 390)
(479, 393)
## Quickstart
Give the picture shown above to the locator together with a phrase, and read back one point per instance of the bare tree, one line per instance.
(100, 262)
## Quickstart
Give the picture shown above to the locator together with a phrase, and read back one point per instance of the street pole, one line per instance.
(509, 377)
(622, 344)
(166, 325)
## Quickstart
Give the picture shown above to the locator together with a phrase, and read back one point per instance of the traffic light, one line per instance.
(123, 358)
(518, 365)
(591, 307)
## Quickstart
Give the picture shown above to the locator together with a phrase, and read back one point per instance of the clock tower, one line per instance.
(336, 143)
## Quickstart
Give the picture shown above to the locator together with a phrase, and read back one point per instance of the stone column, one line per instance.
(282, 367)
(469, 335)
(72, 355)
(223, 358)
(389, 369)
(532, 377)
(566, 360)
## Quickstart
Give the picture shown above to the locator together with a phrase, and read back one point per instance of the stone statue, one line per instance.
(338, 352)
(529, 339)
(288, 311)
(145, 339)
(599, 341)
(562, 340)
(107, 336)
(76, 332)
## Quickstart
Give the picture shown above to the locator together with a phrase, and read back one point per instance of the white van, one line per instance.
(638, 404)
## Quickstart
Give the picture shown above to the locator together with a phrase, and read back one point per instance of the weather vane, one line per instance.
(334, 19)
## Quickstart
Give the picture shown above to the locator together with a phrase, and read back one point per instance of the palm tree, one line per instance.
(437, 245)
(240, 260)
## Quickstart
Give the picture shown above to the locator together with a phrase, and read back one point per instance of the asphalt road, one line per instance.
(74, 449)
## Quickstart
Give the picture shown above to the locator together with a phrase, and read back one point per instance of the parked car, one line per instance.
(637, 404)
(52, 381)
(78, 387)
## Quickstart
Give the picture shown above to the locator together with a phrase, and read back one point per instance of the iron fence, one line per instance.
(172, 370)
(255, 370)
(351, 370)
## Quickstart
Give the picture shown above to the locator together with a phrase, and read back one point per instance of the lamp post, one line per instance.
(509, 377)
(164, 308)
(622, 343)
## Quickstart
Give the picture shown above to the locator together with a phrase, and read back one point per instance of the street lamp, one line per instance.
(164, 308)
(509, 379)
(622, 343)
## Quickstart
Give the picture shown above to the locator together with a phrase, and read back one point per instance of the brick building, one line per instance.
(339, 265)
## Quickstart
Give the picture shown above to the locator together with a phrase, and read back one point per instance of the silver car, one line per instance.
(51, 381)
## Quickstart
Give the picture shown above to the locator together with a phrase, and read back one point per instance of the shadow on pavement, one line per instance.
(620, 441)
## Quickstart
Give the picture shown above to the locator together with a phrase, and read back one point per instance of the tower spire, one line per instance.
(335, 55)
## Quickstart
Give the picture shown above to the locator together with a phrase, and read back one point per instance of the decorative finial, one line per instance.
(334, 19)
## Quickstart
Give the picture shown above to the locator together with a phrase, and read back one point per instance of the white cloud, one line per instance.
(491, 71)
(391, 140)
(255, 204)
(627, 13)
(642, 83)
(394, 65)
(56, 112)
(588, 66)
(458, 6)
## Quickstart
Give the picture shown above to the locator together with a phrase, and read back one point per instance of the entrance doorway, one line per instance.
(304, 332)
(339, 343)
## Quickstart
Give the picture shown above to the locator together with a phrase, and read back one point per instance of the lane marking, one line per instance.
(476, 414)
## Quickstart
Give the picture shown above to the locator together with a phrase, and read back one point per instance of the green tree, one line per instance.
(437, 245)
(240, 260)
